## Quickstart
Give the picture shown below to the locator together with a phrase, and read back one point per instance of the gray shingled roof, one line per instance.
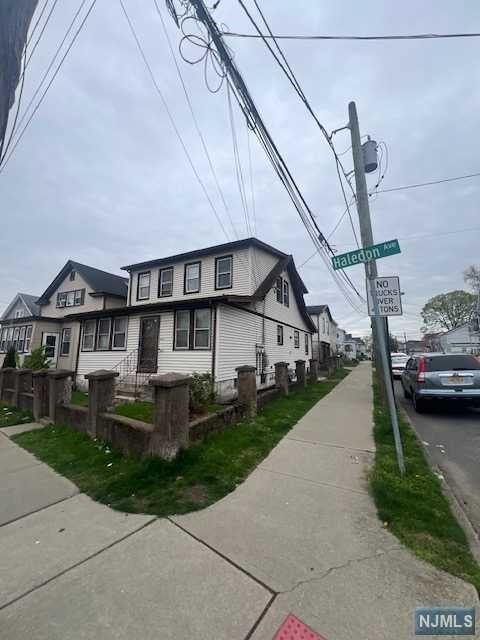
(30, 303)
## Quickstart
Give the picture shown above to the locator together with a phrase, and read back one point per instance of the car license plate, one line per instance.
(456, 380)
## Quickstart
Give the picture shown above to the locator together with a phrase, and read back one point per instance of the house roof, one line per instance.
(215, 249)
(318, 309)
(28, 301)
(100, 281)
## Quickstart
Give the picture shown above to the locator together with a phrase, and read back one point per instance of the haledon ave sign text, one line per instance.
(366, 254)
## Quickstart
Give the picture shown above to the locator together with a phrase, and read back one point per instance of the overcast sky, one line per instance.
(100, 176)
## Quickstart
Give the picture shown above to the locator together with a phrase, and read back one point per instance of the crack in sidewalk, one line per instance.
(339, 567)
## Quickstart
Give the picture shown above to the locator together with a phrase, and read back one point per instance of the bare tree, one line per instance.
(15, 18)
(471, 276)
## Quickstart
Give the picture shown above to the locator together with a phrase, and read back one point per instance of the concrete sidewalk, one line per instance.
(300, 536)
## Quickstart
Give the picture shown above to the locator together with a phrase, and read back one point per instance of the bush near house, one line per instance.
(37, 360)
(10, 359)
(201, 392)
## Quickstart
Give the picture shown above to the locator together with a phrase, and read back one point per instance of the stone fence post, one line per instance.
(247, 390)
(171, 414)
(101, 393)
(2, 378)
(313, 370)
(20, 384)
(59, 390)
(300, 372)
(40, 393)
(281, 377)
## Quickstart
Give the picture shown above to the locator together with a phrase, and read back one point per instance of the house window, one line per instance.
(70, 298)
(286, 294)
(279, 289)
(9, 337)
(223, 272)
(324, 325)
(16, 333)
(72, 276)
(296, 339)
(143, 286)
(201, 329)
(165, 282)
(306, 344)
(28, 338)
(19, 313)
(65, 343)
(103, 334)
(182, 329)
(119, 340)
(192, 277)
(21, 339)
(3, 340)
(279, 334)
(88, 341)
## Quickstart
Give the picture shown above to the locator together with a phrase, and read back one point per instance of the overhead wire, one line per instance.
(172, 120)
(47, 20)
(413, 36)
(250, 170)
(42, 97)
(427, 184)
(195, 120)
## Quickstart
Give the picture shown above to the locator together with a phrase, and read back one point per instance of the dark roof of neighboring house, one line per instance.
(29, 302)
(318, 309)
(218, 248)
(100, 281)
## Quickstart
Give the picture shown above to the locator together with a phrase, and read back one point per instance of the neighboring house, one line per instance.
(432, 342)
(206, 311)
(350, 346)
(461, 340)
(47, 321)
(325, 340)
(340, 340)
(361, 348)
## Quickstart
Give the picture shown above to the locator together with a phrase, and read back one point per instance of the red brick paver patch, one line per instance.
(294, 629)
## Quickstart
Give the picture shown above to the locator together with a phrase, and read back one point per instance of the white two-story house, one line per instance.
(325, 339)
(207, 311)
(31, 321)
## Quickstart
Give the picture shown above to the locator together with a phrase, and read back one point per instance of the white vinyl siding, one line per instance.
(90, 303)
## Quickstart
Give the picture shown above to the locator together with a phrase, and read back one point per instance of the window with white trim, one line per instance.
(143, 286)
(103, 334)
(65, 341)
(88, 338)
(286, 294)
(21, 339)
(19, 313)
(16, 333)
(28, 338)
(296, 339)
(279, 334)
(73, 298)
(306, 344)
(165, 282)
(3, 340)
(192, 277)
(201, 329)
(182, 329)
(279, 289)
(119, 339)
(223, 272)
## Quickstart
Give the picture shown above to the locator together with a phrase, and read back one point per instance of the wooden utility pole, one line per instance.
(15, 18)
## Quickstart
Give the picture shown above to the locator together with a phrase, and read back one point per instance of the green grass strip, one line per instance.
(10, 416)
(199, 476)
(414, 507)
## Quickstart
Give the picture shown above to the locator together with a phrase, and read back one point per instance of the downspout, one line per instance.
(214, 342)
(129, 288)
(78, 352)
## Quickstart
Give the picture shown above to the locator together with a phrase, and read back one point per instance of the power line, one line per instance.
(427, 184)
(172, 121)
(252, 191)
(195, 121)
(414, 36)
(37, 106)
(47, 20)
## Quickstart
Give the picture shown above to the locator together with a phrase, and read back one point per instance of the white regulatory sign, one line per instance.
(387, 294)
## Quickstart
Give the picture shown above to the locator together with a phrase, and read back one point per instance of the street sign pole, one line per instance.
(371, 273)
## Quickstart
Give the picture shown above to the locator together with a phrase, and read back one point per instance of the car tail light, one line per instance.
(421, 370)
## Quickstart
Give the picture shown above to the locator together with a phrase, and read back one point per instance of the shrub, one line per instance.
(10, 359)
(201, 391)
(37, 359)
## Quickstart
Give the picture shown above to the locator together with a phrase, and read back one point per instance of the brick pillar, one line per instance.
(101, 393)
(171, 416)
(247, 390)
(281, 377)
(20, 380)
(40, 393)
(313, 370)
(300, 371)
(59, 390)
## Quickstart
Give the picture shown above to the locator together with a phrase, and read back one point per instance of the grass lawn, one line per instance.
(414, 507)
(80, 398)
(199, 476)
(10, 416)
(143, 410)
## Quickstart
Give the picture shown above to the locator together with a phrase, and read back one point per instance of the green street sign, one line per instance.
(382, 250)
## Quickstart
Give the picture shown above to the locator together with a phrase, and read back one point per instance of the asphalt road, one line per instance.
(453, 437)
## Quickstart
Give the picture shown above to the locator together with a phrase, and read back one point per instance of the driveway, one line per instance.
(453, 437)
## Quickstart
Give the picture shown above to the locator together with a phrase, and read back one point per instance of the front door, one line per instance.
(148, 347)
(50, 343)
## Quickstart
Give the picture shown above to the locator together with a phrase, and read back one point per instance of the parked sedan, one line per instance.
(434, 377)
(399, 362)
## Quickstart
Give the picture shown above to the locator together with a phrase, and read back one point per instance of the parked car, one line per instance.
(435, 377)
(399, 361)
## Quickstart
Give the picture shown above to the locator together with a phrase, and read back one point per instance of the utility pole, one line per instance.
(371, 273)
